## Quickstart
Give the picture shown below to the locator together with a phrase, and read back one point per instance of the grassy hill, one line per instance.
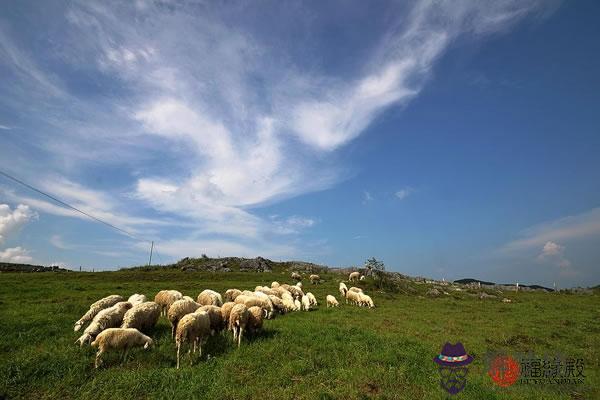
(345, 353)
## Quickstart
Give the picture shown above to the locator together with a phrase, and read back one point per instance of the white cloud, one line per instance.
(4, 127)
(554, 252)
(15, 255)
(58, 242)
(12, 220)
(405, 192)
(367, 197)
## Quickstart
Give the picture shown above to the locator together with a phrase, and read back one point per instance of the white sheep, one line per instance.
(343, 289)
(296, 276)
(274, 284)
(238, 319)
(288, 303)
(299, 285)
(298, 305)
(262, 302)
(210, 298)
(332, 301)
(193, 329)
(356, 289)
(314, 278)
(278, 304)
(96, 307)
(354, 276)
(296, 292)
(365, 300)
(312, 299)
(353, 297)
(111, 317)
(231, 294)
(136, 299)
(142, 316)
(305, 303)
(119, 339)
(226, 310)
(215, 316)
(178, 310)
(165, 298)
(255, 319)
(362, 277)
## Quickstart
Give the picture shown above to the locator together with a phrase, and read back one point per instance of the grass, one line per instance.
(345, 353)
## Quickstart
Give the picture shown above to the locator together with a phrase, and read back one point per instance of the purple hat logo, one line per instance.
(453, 364)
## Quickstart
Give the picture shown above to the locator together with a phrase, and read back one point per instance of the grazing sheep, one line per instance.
(238, 319)
(264, 303)
(366, 300)
(362, 277)
(305, 303)
(111, 317)
(216, 318)
(299, 285)
(188, 298)
(356, 289)
(296, 292)
(247, 293)
(312, 299)
(298, 305)
(284, 286)
(231, 294)
(296, 276)
(210, 298)
(268, 291)
(178, 310)
(193, 329)
(136, 299)
(354, 276)
(343, 289)
(314, 279)
(255, 319)
(281, 291)
(96, 307)
(288, 303)
(119, 339)
(142, 316)
(331, 301)
(353, 297)
(278, 304)
(165, 298)
(274, 284)
(226, 310)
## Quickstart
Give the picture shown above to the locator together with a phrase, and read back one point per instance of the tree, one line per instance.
(376, 269)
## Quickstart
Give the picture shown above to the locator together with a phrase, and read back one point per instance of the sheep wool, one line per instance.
(255, 319)
(142, 317)
(96, 307)
(231, 294)
(178, 310)
(355, 289)
(215, 316)
(226, 311)
(193, 329)
(296, 276)
(136, 299)
(312, 299)
(343, 289)
(238, 319)
(278, 304)
(274, 284)
(354, 276)
(111, 317)
(210, 298)
(298, 305)
(119, 339)
(353, 297)
(305, 303)
(314, 278)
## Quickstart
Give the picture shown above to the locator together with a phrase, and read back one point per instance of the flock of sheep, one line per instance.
(119, 324)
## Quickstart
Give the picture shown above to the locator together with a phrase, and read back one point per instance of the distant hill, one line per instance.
(467, 281)
(12, 267)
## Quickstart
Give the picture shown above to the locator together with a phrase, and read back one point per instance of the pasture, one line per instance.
(343, 353)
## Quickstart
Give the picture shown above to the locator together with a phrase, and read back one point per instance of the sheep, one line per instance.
(274, 284)
(365, 300)
(255, 319)
(268, 291)
(281, 291)
(142, 316)
(296, 276)
(299, 285)
(296, 292)
(278, 304)
(192, 328)
(354, 276)
(247, 293)
(288, 303)
(305, 303)
(362, 277)
(136, 299)
(284, 286)
(312, 299)
(314, 279)
(226, 310)
(210, 298)
(353, 297)
(231, 294)
(264, 303)
(331, 301)
(95, 308)
(215, 316)
(343, 289)
(298, 305)
(238, 319)
(119, 339)
(165, 298)
(356, 289)
(178, 310)
(111, 317)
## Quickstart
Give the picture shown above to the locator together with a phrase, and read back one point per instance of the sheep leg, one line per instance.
(178, 348)
(173, 329)
(240, 333)
(98, 359)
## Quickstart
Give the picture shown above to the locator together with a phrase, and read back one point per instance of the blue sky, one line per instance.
(450, 139)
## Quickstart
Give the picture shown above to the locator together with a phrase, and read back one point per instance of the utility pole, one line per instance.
(151, 249)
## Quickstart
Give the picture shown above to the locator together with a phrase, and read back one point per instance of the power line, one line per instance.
(70, 206)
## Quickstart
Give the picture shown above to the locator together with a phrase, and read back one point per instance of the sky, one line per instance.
(449, 139)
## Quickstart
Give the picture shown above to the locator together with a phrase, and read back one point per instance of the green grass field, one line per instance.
(345, 353)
